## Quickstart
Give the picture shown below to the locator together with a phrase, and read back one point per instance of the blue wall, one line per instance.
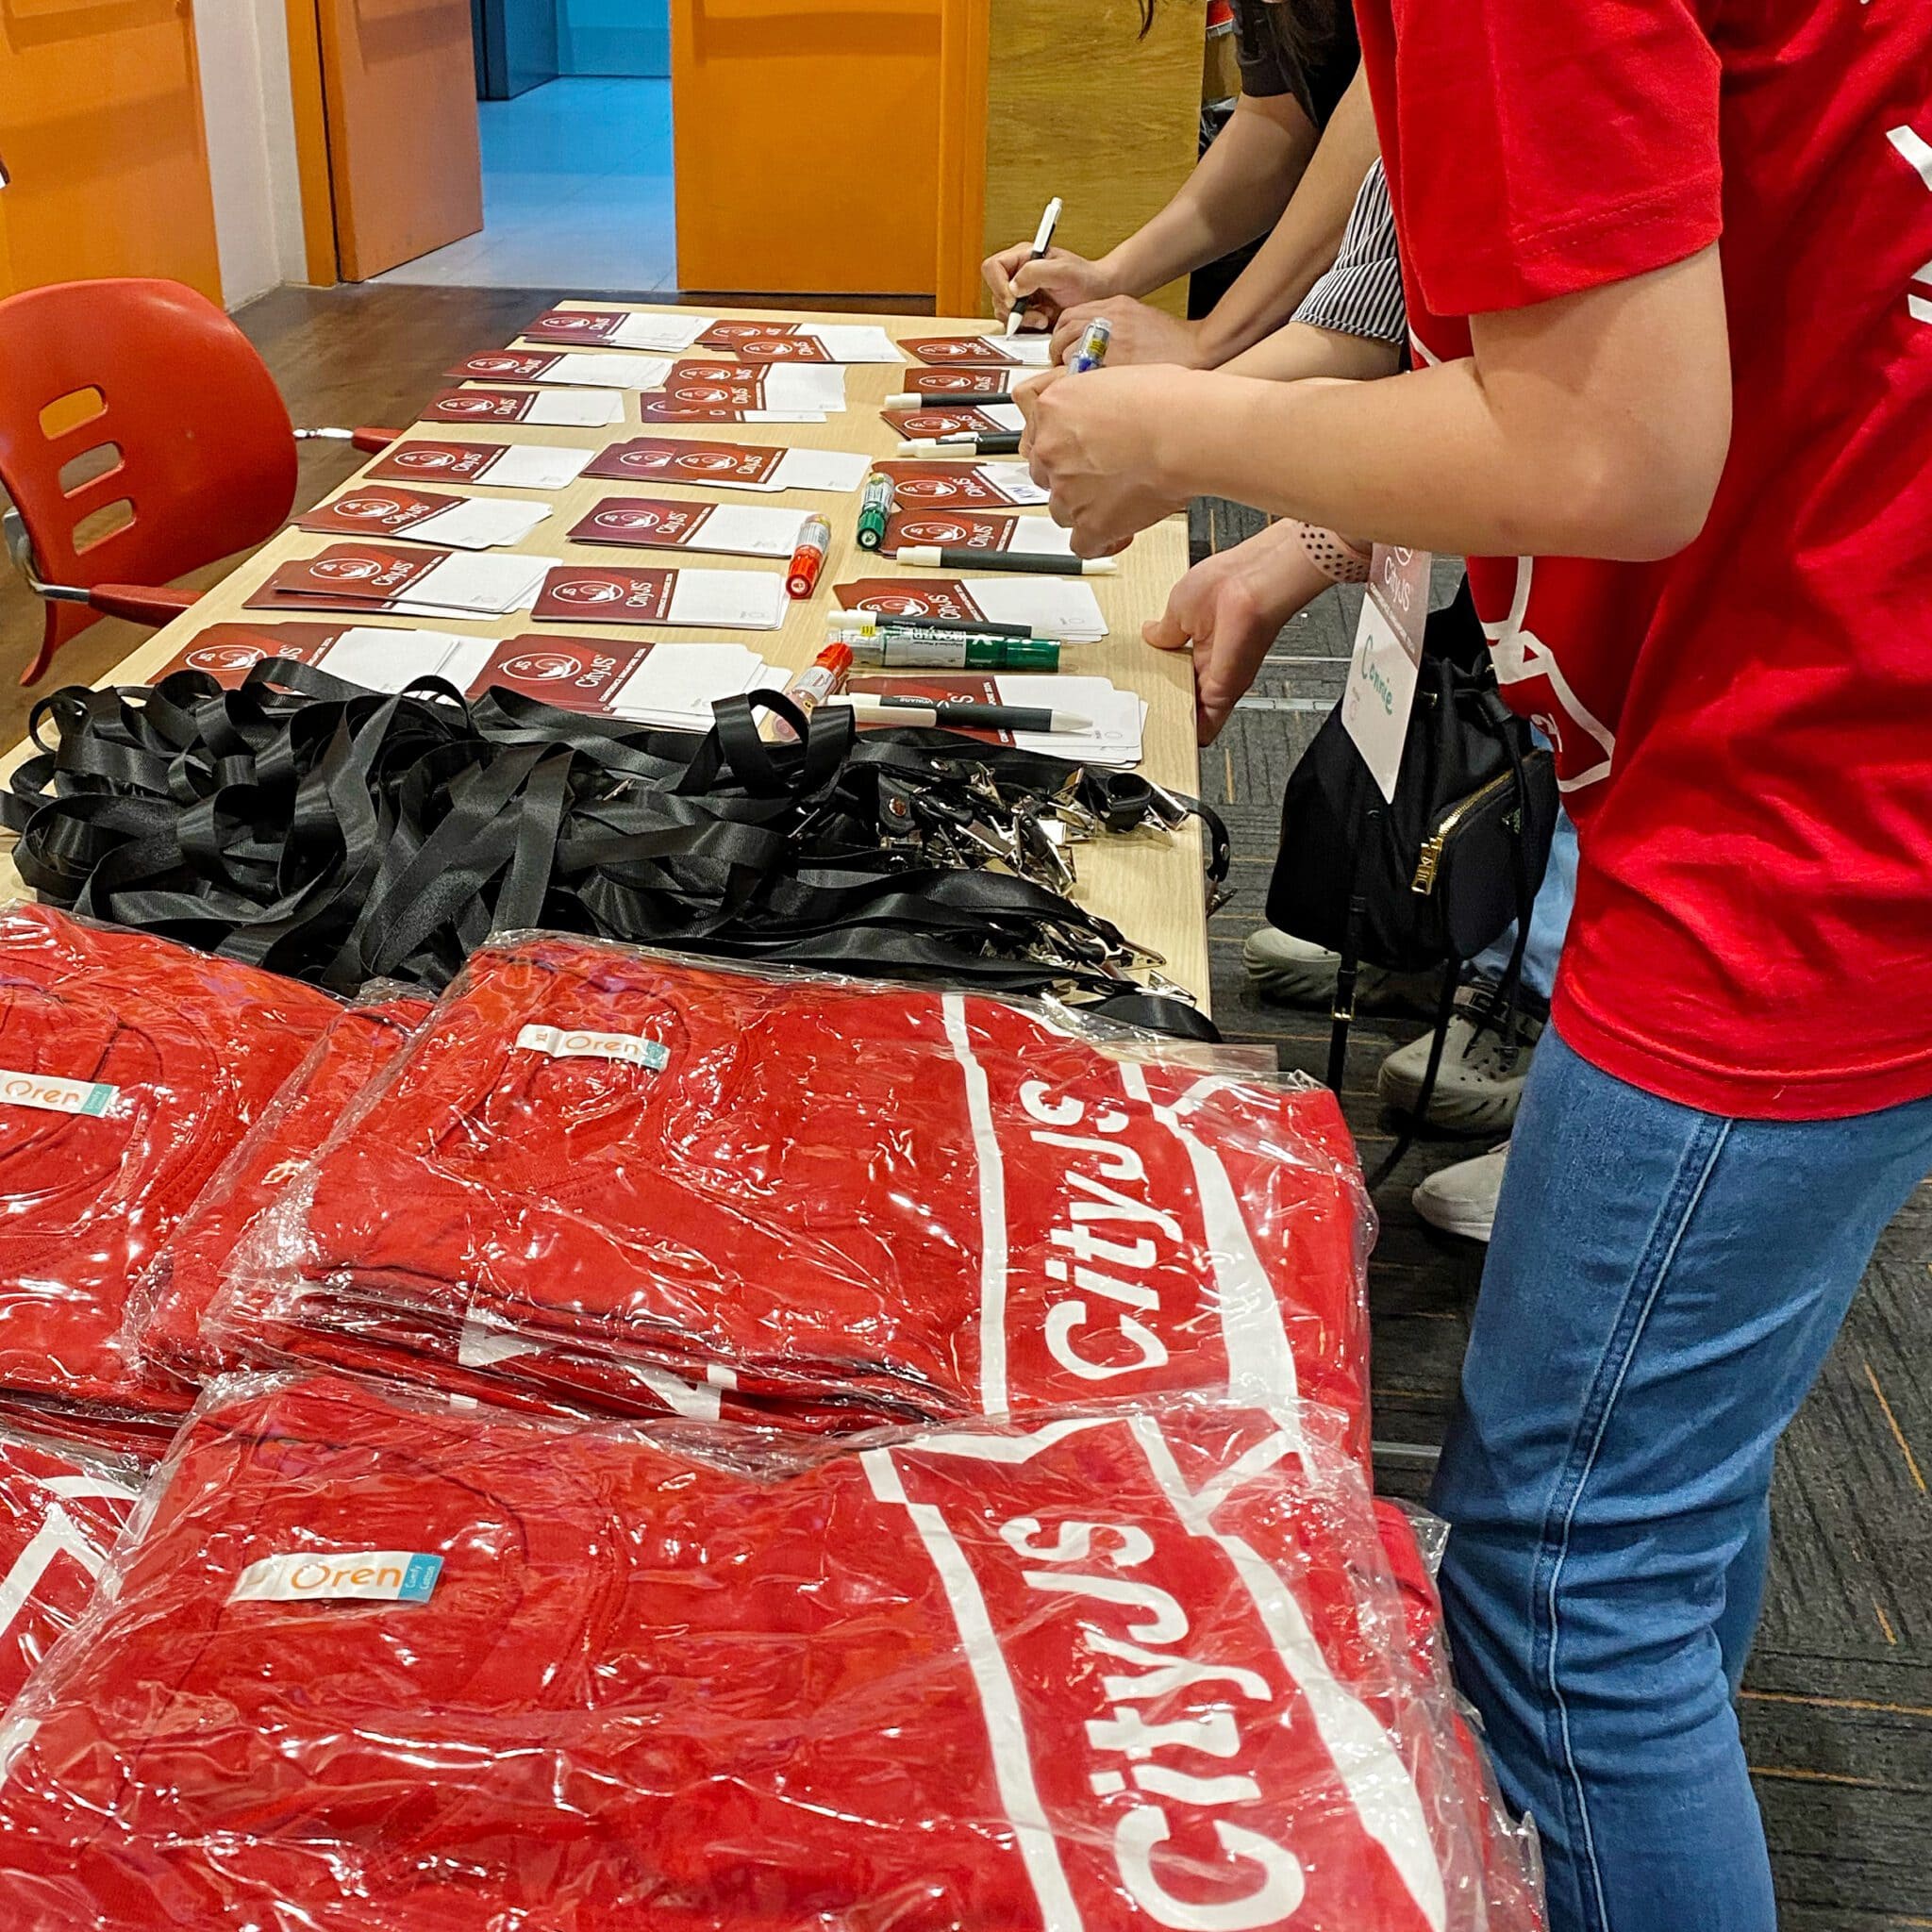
(614, 36)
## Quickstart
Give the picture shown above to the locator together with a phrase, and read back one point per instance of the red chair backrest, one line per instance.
(207, 456)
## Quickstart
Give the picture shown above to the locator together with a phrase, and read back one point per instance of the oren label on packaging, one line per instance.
(397, 1576)
(54, 1095)
(573, 1043)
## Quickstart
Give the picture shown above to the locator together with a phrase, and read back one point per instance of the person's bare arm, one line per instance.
(1592, 426)
(1302, 352)
(1305, 241)
(1239, 190)
(1300, 249)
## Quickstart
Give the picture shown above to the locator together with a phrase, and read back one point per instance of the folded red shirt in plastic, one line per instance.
(385, 1663)
(938, 1204)
(61, 1509)
(167, 1306)
(129, 1067)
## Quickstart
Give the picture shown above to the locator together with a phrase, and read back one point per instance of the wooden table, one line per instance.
(1148, 885)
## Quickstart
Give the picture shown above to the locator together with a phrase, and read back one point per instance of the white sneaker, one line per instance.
(1299, 974)
(1479, 1084)
(1462, 1199)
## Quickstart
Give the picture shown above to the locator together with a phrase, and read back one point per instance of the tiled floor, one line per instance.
(577, 192)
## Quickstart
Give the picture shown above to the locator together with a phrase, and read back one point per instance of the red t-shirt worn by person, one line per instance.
(1744, 731)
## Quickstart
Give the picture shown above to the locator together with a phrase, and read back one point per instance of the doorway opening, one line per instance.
(574, 107)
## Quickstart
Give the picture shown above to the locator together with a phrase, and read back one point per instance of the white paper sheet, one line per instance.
(590, 370)
(478, 586)
(536, 466)
(579, 409)
(731, 599)
(479, 524)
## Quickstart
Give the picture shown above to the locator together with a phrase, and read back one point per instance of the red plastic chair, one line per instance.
(184, 428)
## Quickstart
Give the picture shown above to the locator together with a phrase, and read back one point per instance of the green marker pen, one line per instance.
(948, 651)
(874, 508)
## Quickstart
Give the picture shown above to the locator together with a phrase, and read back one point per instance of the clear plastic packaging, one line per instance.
(934, 1204)
(484, 1364)
(61, 1509)
(129, 1067)
(375, 1662)
(167, 1306)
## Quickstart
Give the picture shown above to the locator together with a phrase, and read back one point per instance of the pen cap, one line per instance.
(1030, 653)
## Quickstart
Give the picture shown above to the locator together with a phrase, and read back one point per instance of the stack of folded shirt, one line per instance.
(168, 1305)
(129, 1068)
(930, 1204)
(60, 1511)
(168, 1328)
(385, 1663)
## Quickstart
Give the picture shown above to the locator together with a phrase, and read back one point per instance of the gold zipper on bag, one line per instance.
(1429, 860)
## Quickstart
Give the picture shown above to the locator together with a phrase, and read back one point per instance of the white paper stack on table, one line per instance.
(667, 684)
(425, 516)
(1063, 607)
(961, 481)
(378, 578)
(564, 369)
(1115, 718)
(703, 599)
(983, 351)
(559, 408)
(501, 465)
(800, 341)
(771, 394)
(763, 466)
(619, 328)
(664, 523)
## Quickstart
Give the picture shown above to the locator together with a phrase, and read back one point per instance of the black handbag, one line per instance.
(1428, 880)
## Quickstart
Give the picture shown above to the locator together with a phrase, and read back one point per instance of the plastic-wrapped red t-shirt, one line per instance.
(942, 1204)
(381, 1663)
(492, 1365)
(129, 1066)
(166, 1307)
(61, 1509)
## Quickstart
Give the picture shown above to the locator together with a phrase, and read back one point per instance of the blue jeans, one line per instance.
(1549, 918)
(1661, 1290)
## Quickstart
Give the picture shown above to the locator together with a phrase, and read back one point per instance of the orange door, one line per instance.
(807, 138)
(399, 80)
(101, 145)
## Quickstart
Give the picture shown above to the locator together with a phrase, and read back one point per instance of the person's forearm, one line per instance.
(1429, 458)
(1305, 241)
(1302, 351)
(1238, 192)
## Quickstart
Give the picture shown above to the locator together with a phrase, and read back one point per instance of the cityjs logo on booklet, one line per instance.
(395, 1577)
(53, 1096)
(573, 1043)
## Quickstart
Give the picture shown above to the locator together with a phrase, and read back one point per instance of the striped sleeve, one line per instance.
(1361, 295)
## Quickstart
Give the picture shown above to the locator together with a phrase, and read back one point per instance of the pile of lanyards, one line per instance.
(638, 1442)
(339, 835)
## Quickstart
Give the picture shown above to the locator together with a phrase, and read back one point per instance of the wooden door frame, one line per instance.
(311, 144)
(965, 36)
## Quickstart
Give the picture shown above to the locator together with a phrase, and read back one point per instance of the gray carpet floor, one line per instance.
(1837, 1703)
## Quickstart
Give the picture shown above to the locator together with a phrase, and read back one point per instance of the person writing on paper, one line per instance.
(1299, 141)
(1693, 494)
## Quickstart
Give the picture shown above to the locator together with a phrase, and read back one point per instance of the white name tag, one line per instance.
(1382, 677)
(396, 1576)
(570, 1043)
(54, 1096)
